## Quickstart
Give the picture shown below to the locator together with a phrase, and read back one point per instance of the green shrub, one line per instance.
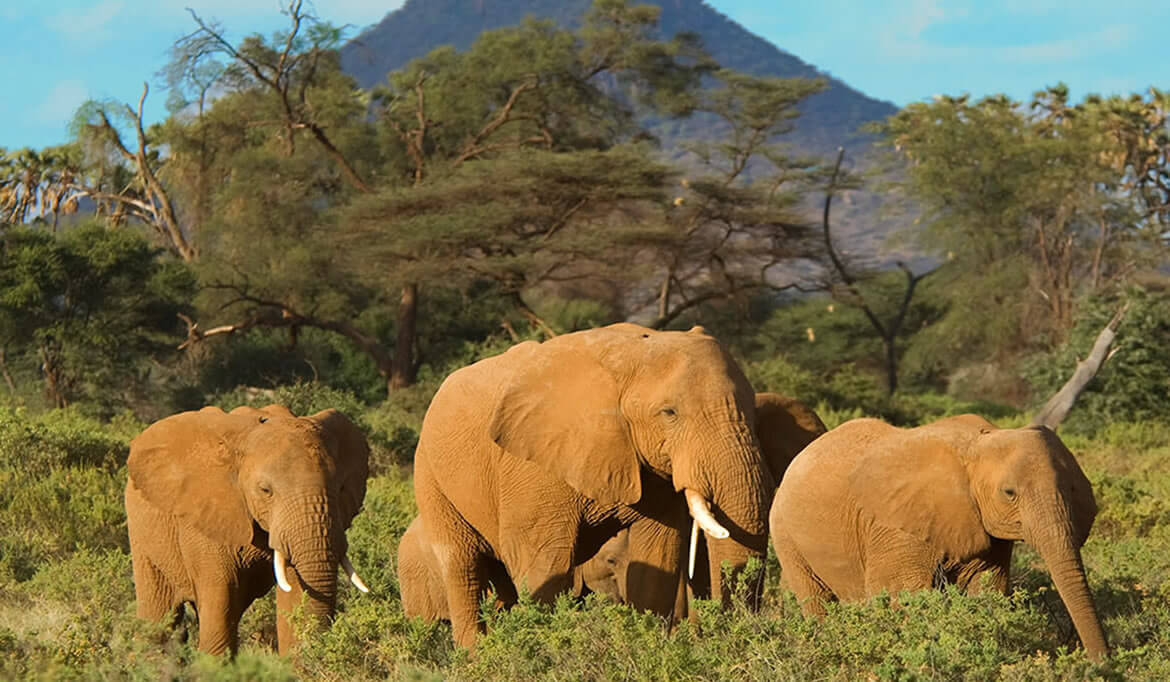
(61, 482)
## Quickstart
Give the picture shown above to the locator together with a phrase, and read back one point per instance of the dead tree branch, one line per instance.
(1059, 405)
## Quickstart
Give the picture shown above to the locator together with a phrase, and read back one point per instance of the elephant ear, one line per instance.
(186, 465)
(347, 445)
(561, 409)
(916, 482)
(784, 427)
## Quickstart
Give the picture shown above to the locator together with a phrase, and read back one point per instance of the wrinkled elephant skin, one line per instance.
(222, 506)
(869, 507)
(534, 458)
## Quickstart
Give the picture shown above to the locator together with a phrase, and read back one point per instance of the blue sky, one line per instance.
(56, 54)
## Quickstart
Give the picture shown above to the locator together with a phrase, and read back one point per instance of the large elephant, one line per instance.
(869, 507)
(532, 459)
(221, 506)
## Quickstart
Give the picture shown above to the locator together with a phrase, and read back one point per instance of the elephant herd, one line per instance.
(636, 463)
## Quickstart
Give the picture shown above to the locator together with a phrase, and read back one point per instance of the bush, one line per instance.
(61, 482)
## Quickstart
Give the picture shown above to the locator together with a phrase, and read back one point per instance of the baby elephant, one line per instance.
(222, 506)
(424, 595)
(868, 507)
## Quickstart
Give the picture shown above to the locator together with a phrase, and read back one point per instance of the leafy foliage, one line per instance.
(91, 308)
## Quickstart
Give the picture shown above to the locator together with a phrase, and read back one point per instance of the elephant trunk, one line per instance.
(1058, 547)
(734, 480)
(306, 537)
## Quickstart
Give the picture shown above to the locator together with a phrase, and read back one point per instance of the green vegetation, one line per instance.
(67, 597)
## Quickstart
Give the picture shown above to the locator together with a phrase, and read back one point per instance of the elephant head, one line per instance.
(968, 482)
(604, 408)
(605, 573)
(262, 478)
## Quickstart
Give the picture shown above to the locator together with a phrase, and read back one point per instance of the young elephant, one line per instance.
(222, 506)
(424, 595)
(870, 507)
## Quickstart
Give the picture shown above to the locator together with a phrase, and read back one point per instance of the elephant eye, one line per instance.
(1009, 493)
(265, 488)
(668, 412)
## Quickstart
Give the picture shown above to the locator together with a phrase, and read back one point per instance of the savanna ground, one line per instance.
(67, 594)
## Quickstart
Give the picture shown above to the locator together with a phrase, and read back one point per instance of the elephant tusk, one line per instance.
(353, 576)
(694, 546)
(278, 568)
(701, 512)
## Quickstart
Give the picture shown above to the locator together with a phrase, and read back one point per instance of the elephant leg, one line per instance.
(653, 573)
(501, 582)
(152, 591)
(219, 619)
(546, 572)
(465, 563)
(798, 576)
(897, 562)
(990, 571)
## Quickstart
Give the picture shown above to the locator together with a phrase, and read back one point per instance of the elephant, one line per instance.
(870, 507)
(532, 459)
(424, 595)
(220, 506)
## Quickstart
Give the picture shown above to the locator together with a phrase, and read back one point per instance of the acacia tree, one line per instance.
(736, 222)
(533, 87)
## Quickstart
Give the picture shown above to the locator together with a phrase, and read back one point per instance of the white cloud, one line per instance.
(92, 23)
(922, 14)
(61, 101)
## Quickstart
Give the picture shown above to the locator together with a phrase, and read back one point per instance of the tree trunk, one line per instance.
(403, 369)
(891, 366)
(1059, 405)
(4, 371)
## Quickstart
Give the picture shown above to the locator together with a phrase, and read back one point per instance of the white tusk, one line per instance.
(694, 546)
(702, 515)
(353, 576)
(278, 568)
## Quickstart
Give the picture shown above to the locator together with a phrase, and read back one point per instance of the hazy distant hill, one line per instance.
(828, 119)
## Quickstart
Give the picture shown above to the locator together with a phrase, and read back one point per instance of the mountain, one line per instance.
(829, 119)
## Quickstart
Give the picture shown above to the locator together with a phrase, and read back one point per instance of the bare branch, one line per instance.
(1061, 403)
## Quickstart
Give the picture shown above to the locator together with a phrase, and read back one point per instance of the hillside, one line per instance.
(828, 120)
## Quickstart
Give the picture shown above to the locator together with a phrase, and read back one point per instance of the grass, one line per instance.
(67, 599)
